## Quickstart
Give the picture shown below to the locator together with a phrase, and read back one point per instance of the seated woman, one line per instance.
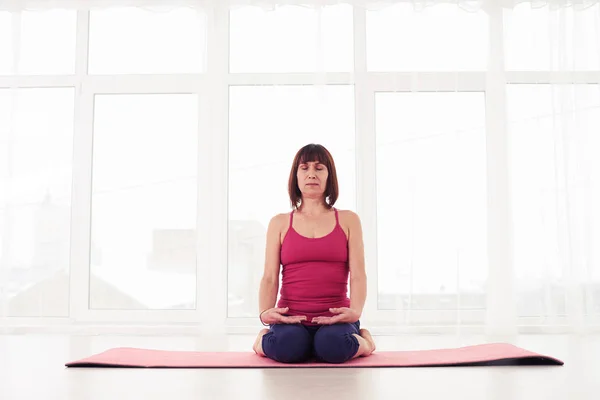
(318, 247)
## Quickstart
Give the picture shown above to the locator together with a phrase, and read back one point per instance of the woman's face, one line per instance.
(312, 178)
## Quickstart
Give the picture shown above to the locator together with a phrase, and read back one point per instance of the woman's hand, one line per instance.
(275, 316)
(343, 315)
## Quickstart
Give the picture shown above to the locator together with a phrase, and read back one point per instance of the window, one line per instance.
(46, 41)
(431, 200)
(428, 115)
(543, 40)
(164, 42)
(287, 39)
(36, 135)
(555, 185)
(440, 38)
(144, 202)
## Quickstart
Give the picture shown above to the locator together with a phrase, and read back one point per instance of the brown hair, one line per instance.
(313, 152)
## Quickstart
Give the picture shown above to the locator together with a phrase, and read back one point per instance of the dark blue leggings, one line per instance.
(295, 343)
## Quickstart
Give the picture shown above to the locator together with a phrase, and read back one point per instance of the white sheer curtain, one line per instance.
(16, 5)
(465, 133)
(555, 179)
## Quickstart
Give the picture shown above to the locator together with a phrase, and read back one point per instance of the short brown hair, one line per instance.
(313, 152)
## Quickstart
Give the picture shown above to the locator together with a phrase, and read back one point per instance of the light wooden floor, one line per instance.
(32, 367)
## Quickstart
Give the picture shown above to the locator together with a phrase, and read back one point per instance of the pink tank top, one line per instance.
(315, 272)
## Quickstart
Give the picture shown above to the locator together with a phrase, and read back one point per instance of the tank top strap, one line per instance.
(291, 218)
(337, 220)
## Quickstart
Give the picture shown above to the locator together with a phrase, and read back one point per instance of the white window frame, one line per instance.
(212, 87)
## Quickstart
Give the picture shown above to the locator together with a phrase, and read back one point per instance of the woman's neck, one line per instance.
(312, 207)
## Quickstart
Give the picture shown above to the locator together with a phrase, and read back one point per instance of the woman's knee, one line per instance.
(336, 343)
(287, 343)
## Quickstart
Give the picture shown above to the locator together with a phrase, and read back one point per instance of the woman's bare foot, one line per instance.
(257, 347)
(367, 336)
(366, 344)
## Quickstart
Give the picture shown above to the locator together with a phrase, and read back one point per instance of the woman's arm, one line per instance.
(358, 276)
(269, 284)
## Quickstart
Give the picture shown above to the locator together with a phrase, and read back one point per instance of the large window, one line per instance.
(143, 151)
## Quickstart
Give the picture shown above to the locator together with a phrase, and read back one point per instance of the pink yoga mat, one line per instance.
(480, 355)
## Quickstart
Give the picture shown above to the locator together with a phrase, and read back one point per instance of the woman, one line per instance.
(318, 247)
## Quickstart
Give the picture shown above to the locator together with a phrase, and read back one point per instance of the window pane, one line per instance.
(400, 38)
(555, 198)
(6, 56)
(47, 42)
(291, 39)
(36, 135)
(543, 39)
(431, 209)
(138, 41)
(268, 125)
(144, 202)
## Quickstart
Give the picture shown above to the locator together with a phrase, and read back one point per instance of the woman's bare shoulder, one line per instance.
(280, 220)
(349, 219)
(348, 215)
(280, 223)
